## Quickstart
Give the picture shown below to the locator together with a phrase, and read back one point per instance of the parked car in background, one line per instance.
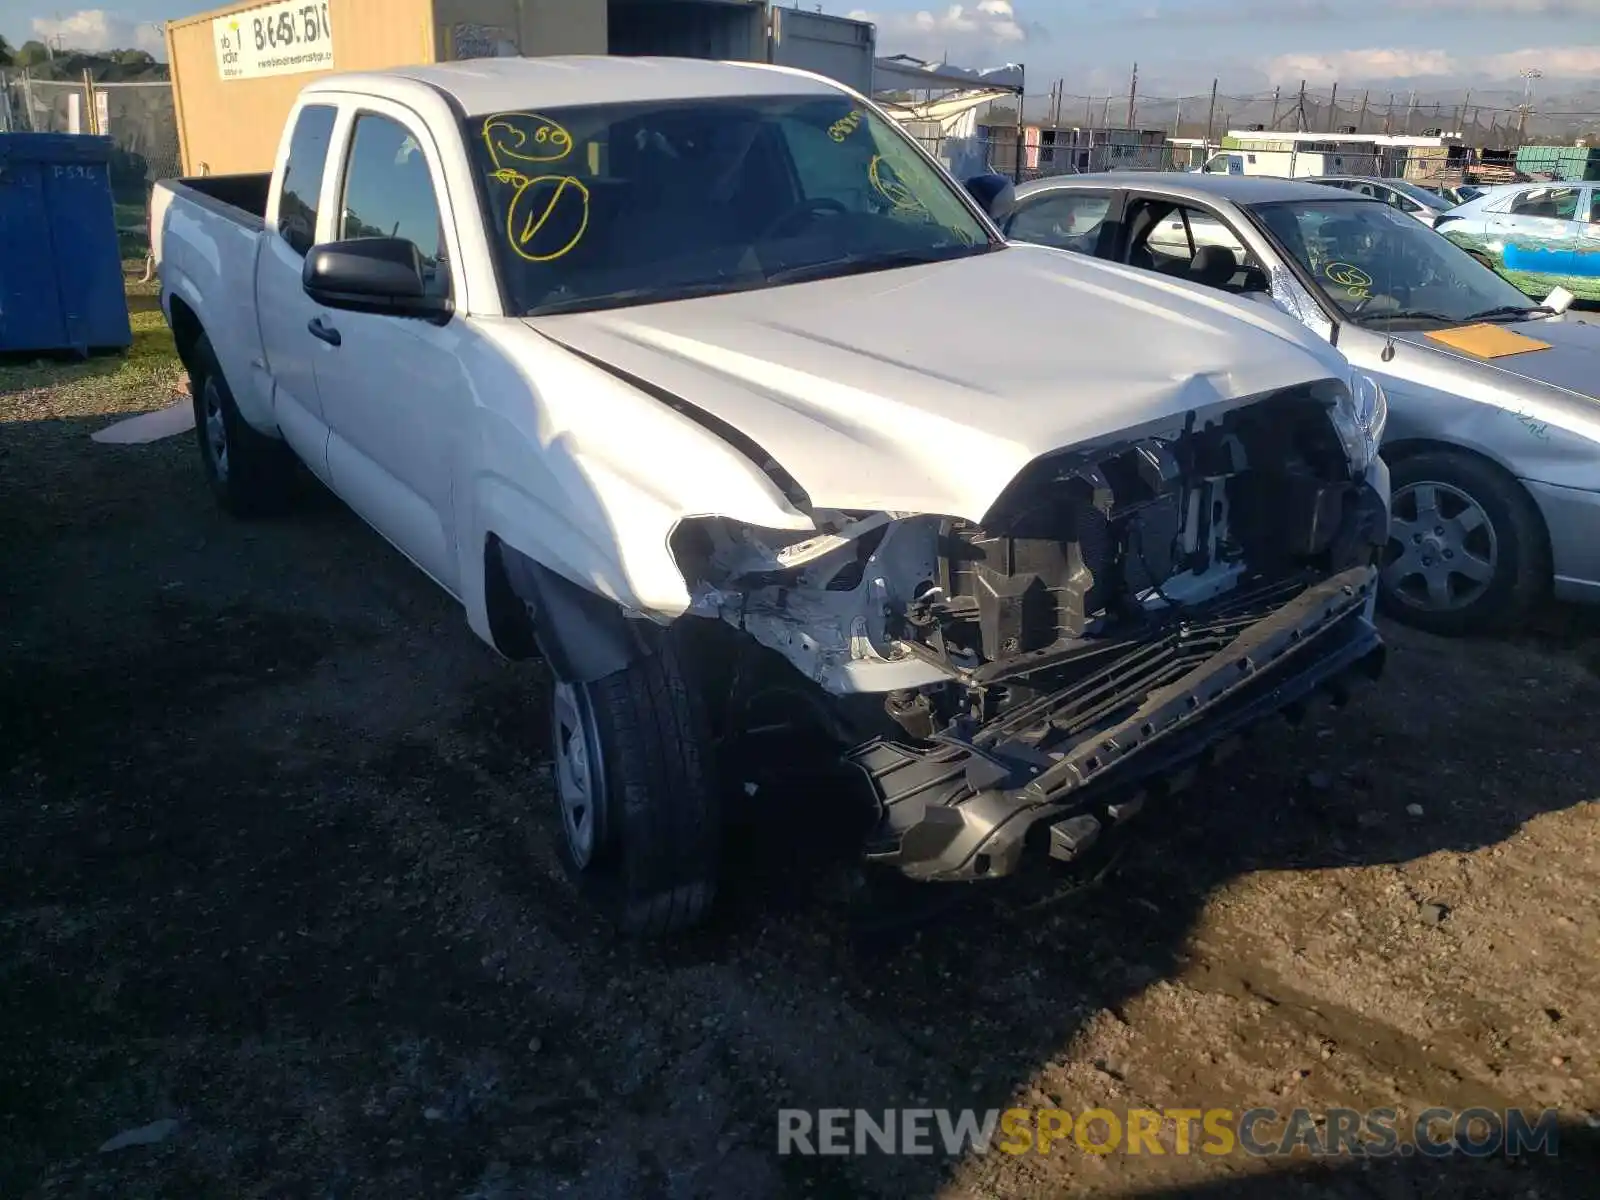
(1495, 455)
(1540, 236)
(1402, 194)
(1458, 193)
(631, 357)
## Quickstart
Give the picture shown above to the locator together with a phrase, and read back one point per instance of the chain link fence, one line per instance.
(140, 120)
(1041, 153)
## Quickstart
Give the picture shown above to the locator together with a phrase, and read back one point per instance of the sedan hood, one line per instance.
(1572, 363)
(928, 388)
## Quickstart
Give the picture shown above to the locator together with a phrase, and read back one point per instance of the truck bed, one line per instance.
(241, 198)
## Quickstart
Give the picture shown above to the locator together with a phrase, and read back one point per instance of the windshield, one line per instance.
(629, 203)
(1372, 261)
(1420, 194)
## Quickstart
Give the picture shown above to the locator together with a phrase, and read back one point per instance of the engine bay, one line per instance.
(1088, 550)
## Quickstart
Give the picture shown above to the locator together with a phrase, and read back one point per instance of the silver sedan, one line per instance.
(1494, 430)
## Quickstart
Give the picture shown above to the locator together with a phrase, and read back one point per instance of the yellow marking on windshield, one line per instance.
(517, 138)
(882, 177)
(1356, 282)
(845, 126)
(526, 138)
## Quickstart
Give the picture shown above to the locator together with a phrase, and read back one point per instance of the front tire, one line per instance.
(640, 822)
(249, 473)
(1467, 551)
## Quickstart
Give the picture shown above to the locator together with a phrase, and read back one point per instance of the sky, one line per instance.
(1092, 44)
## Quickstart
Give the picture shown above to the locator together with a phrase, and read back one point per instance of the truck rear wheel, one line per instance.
(249, 473)
(640, 826)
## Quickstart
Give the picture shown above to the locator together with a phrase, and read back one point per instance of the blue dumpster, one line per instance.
(60, 268)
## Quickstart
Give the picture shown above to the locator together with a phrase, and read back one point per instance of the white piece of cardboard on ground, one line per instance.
(150, 426)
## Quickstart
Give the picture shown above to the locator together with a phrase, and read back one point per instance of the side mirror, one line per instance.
(995, 194)
(372, 275)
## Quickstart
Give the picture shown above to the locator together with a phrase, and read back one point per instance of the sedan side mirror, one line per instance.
(995, 194)
(372, 275)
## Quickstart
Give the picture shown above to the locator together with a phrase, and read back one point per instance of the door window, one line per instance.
(1066, 220)
(388, 192)
(1594, 206)
(1192, 244)
(1557, 203)
(302, 176)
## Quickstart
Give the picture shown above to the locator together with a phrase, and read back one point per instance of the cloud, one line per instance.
(1560, 62)
(1354, 65)
(1343, 12)
(962, 31)
(97, 29)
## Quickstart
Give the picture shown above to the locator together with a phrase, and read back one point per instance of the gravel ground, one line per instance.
(277, 869)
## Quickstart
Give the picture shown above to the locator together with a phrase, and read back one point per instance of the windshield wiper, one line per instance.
(857, 264)
(1406, 314)
(1512, 310)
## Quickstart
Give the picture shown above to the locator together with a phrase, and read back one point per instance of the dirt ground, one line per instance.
(276, 864)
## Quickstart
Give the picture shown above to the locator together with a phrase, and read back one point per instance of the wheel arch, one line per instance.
(533, 612)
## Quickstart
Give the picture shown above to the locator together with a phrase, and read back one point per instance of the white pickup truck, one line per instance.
(703, 383)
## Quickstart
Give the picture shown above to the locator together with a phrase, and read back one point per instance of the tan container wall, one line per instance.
(478, 28)
(228, 126)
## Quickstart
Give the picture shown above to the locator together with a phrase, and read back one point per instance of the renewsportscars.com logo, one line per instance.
(1255, 1132)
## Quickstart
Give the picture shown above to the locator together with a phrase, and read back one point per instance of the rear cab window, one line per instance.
(303, 172)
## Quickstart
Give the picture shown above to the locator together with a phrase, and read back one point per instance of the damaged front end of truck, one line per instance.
(1119, 615)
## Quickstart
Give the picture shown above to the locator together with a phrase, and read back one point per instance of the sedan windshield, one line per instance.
(1420, 194)
(1375, 263)
(631, 203)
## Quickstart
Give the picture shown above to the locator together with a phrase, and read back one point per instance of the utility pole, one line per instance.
(1388, 116)
(1211, 114)
(1276, 91)
(1528, 76)
(1333, 106)
(1177, 117)
(1133, 92)
(1361, 117)
(1411, 107)
(1300, 110)
(1055, 112)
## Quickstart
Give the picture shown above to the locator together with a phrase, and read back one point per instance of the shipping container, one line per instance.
(747, 30)
(237, 70)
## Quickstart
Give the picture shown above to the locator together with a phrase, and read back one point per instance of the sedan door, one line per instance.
(396, 395)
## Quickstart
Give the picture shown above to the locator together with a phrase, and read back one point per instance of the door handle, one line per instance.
(326, 333)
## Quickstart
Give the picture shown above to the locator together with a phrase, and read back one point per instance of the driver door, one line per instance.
(396, 396)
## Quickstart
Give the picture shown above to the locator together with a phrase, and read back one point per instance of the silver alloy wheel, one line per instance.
(580, 771)
(216, 429)
(1448, 550)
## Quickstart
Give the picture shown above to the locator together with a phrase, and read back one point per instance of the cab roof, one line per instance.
(479, 87)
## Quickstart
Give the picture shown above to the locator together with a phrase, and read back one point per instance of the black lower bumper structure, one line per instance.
(1051, 774)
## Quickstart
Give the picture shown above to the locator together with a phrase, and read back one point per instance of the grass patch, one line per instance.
(141, 379)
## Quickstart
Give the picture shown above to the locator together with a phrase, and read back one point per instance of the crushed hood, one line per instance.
(928, 388)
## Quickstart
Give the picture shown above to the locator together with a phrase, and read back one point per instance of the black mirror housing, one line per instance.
(996, 194)
(372, 275)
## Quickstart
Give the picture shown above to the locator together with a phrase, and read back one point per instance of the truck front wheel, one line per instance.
(249, 473)
(633, 781)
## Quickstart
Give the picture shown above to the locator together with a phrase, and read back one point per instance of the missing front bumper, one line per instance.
(972, 806)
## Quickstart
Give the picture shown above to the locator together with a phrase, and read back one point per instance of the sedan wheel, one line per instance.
(1443, 547)
(1467, 551)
